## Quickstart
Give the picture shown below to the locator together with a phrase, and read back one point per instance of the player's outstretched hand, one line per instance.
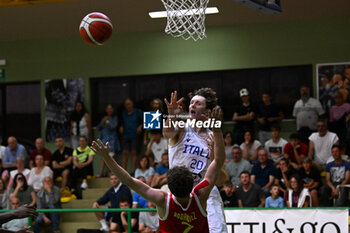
(174, 107)
(100, 149)
(25, 211)
(210, 142)
(216, 113)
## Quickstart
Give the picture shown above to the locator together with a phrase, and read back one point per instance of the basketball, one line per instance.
(95, 28)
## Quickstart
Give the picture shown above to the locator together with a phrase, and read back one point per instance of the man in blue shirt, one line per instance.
(112, 195)
(131, 128)
(161, 176)
(263, 172)
(12, 152)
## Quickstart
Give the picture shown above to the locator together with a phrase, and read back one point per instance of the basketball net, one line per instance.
(186, 18)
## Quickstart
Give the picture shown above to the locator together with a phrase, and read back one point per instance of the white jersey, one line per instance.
(192, 152)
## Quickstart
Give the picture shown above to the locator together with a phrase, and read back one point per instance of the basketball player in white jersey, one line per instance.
(188, 147)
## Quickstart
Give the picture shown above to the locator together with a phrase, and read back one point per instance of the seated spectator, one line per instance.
(48, 198)
(228, 140)
(297, 195)
(250, 147)
(337, 175)
(275, 146)
(161, 176)
(149, 221)
(12, 152)
(120, 219)
(243, 116)
(228, 195)
(320, 145)
(3, 193)
(83, 157)
(112, 195)
(21, 190)
(137, 200)
(249, 194)
(344, 156)
(274, 201)
(263, 172)
(40, 149)
(311, 179)
(38, 173)
(295, 151)
(20, 169)
(15, 225)
(157, 146)
(62, 161)
(145, 170)
(237, 165)
(283, 175)
(268, 114)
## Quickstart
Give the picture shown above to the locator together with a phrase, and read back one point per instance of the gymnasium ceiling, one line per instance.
(62, 18)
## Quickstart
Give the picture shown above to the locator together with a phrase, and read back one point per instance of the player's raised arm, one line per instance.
(174, 109)
(156, 196)
(219, 158)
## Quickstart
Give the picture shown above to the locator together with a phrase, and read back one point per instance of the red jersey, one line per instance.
(192, 219)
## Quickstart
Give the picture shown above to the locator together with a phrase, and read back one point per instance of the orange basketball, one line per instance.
(96, 28)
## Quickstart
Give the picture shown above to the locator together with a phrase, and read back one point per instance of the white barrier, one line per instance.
(287, 220)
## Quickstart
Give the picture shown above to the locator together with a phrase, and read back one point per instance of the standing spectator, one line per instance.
(274, 201)
(228, 140)
(311, 179)
(297, 195)
(275, 146)
(22, 191)
(149, 221)
(39, 149)
(228, 195)
(62, 161)
(337, 175)
(156, 105)
(161, 176)
(295, 151)
(48, 198)
(108, 133)
(112, 195)
(267, 116)
(120, 220)
(307, 110)
(145, 170)
(157, 146)
(283, 175)
(80, 125)
(338, 116)
(243, 116)
(15, 225)
(321, 143)
(263, 172)
(250, 147)
(20, 169)
(237, 165)
(249, 194)
(37, 174)
(12, 152)
(83, 157)
(131, 129)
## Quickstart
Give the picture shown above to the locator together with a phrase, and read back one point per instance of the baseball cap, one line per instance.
(243, 92)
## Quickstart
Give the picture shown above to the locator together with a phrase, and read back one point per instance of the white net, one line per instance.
(186, 18)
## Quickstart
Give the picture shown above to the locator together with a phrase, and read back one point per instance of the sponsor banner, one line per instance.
(287, 221)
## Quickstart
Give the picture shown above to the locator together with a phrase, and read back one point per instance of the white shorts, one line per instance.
(215, 212)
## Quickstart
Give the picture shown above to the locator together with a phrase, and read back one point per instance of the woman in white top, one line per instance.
(20, 169)
(145, 170)
(228, 139)
(80, 125)
(250, 147)
(38, 173)
(297, 195)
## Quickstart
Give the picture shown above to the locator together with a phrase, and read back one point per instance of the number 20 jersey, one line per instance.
(192, 152)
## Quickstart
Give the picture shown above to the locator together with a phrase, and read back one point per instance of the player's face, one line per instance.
(198, 107)
(244, 178)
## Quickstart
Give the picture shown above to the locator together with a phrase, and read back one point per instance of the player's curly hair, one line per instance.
(180, 181)
(209, 94)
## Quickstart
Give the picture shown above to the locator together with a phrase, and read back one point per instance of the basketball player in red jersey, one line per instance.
(184, 209)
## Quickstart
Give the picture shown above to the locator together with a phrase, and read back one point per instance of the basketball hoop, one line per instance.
(186, 18)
